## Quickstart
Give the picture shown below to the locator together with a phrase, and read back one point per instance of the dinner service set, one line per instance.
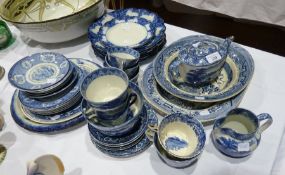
(48, 97)
(52, 21)
(124, 58)
(139, 29)
(116, 114)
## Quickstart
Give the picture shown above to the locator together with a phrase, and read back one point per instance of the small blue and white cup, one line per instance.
(107, 91)
(122, 57)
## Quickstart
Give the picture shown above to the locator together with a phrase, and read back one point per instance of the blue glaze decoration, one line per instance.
(239, 58)
(138, 148)
(20, 118)
(234, 144)
(53, 105)
(86, 65)
(122, 128)
(39, 71)
(166, 103)
(175, 143)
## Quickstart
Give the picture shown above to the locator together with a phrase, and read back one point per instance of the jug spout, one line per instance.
(224, 47)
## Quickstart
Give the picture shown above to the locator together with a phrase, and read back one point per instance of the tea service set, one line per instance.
(194, 81)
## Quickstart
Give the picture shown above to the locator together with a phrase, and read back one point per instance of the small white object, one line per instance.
(243, 147)
(213, 57)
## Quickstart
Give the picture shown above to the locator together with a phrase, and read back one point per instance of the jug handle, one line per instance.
(267, 123)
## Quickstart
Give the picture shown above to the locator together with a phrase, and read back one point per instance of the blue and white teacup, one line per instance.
(107, 91)
(179, 137)
(239, 133)
(122, 57)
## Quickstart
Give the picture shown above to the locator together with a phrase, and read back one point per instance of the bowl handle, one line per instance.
(268, 121)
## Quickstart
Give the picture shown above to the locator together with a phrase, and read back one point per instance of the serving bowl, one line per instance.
(52, 21)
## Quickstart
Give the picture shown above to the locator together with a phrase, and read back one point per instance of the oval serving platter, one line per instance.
(234, 77)
(166, 103)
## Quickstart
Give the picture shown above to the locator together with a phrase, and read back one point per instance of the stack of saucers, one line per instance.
(116, 114)
(48, 96)
(124, 58)
(139, 29)
(200, 75)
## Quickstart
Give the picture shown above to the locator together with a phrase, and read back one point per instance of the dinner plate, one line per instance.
(140, 147)
(39, 71)
(166, 103)
(235, 75)
(128, 32)
(21, 119)
(53, 105)
(146, 117)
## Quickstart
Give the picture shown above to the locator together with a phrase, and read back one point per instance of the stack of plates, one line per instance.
(206, 103)
(137, 28)
(47, 97)
(131, 144)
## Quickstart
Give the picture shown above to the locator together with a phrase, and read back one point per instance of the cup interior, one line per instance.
(181, 138)
(240, 123)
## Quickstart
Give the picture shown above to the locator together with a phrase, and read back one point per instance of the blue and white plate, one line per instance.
(147, 116)
(21, 119)
(166, 103)
(118, 32)
(140, 147)
(54, 105)
(70, 114)
(39, 71)
(154, 19)
(235, 75)
(85, 65)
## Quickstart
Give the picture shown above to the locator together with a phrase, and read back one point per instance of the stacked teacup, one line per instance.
(124, 58)
(111, 105)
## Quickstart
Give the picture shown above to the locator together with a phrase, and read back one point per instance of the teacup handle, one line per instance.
(132, 98)
(267, 123)
(151, 131)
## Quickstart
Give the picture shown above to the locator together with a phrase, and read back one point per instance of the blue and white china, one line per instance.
(70, 114)
(143, 144)
(165, 103)
(180, 135)
(201, 62)
(39, 71)
(107, 91)
(21, 119)
(148, 50)
(234, 77)
(239, 133)
(56, 105)
(122, 57)
(85, 65)
(116, 128)
(128, 32)
(170, 160)
(147, 116)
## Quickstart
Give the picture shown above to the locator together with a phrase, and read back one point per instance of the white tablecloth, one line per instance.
(265, 94)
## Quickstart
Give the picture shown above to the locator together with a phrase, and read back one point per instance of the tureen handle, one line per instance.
(268, 121)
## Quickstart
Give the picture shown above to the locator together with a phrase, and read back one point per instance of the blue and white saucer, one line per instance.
(146, 117)
(22, 120)
(39, 71)
(235, 75)
(140, 147)
(166, 103)
(55, 105)
(85, 65)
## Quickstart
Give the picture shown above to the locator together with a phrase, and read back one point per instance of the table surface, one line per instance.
(265, 94)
